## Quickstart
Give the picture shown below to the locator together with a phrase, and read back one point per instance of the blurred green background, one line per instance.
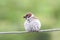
(11, 18)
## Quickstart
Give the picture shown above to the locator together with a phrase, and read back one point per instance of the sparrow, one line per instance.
(31, 24)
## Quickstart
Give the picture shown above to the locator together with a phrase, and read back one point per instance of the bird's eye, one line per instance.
(27, 16)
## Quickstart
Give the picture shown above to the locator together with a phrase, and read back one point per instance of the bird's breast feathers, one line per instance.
(32, 25)
(31, 22)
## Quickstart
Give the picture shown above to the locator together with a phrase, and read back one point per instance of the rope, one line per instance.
(20, 32)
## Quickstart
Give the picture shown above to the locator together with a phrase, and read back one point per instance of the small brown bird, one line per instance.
(31, 24)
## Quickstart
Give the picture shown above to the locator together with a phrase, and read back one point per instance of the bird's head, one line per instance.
(28, 15)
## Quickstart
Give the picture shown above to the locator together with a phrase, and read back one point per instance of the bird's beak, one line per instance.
(24, 16)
